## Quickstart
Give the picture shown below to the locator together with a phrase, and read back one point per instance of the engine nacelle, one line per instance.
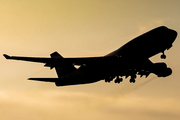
(161, 70)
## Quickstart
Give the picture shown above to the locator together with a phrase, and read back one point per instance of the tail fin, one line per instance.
(56, 55)
(62, 70)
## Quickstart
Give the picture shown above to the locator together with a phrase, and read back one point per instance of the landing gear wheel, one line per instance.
(132, 80)
(118, 80)
(121, 79)
(108, 80)
(163, 56)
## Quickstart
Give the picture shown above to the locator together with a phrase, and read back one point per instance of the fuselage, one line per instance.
(129, 60)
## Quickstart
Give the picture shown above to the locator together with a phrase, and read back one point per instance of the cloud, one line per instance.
(53, 104)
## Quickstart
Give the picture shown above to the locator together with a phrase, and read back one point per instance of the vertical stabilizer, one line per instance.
(56, 55)
(62, 70)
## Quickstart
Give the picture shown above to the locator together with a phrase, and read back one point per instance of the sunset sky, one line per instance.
(84, 28)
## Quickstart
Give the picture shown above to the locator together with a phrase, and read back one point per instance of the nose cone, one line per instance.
(173, 35)
(169, 34)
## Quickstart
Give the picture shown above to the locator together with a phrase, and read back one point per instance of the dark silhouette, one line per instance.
(129, 60)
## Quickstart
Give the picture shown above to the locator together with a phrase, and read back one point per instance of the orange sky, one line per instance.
(79, 28)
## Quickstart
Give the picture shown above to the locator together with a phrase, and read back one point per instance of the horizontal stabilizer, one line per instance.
(44, 79)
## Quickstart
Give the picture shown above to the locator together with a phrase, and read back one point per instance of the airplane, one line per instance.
(131, 59)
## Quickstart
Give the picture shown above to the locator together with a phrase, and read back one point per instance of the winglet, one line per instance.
(6, 56)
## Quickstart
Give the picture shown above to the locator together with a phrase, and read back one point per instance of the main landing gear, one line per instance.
(118, 80)
(132, 80)
(109, 79)
(163, 56)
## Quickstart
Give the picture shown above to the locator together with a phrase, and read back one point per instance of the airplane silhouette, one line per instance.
(131, 59)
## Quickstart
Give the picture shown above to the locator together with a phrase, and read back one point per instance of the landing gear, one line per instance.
(163, 56)
(133, 77)
(109, 79)
(132, 80)
(118, 80)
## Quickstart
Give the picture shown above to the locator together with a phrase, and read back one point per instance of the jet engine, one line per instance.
(161, 70)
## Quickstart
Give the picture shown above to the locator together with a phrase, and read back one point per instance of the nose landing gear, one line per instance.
(163, 56)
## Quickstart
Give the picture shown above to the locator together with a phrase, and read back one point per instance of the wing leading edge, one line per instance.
(54, 61)
(31, 59)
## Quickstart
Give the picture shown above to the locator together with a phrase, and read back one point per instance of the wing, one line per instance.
(54, 61)
(31, 59)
